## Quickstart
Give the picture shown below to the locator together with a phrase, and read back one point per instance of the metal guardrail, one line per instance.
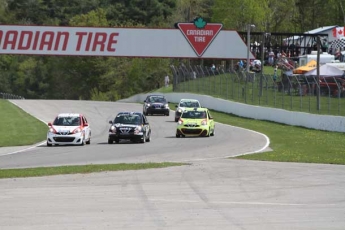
(295, 93)
(10, 96)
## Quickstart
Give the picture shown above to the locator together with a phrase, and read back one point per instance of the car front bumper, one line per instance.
(69, 139)
(193, 131)
(119, 136)
(151, 110)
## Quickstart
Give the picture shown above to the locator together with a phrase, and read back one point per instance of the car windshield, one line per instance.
(67, 121)
(157, 99)
(194, 114)
(134, 119)
(189, 104)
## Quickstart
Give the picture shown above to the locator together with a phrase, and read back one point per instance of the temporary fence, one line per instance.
(323, 95)
(10, 96)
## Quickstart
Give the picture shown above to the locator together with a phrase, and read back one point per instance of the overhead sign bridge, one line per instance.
(191, 40)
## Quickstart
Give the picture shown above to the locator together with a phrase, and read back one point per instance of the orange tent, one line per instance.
(303, 69)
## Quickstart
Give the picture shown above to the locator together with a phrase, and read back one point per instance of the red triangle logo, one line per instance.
(200, 39)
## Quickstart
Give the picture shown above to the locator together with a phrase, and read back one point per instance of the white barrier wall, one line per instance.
(313, 121)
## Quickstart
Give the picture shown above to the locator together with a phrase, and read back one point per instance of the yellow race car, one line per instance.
(195, 122)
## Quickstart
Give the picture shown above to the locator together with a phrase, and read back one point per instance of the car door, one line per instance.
(146, 126)
(145, 104)
(86, 128)
(210, 120)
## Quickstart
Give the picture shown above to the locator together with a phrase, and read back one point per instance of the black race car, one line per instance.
(132, 126)
(156, 104)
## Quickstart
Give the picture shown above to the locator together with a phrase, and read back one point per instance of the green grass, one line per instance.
(83, 169)
(233, 87)
(18, 128)
(290, 143)
(164, 89)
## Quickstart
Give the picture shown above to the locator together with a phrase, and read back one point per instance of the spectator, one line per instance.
(275, 75)
(194, 75)
(315, 46)
(297, 49)
(166, 80)
(324, 46)
(213, 68)
(308, 48)
(292, 49)
(337, 54)
(271, 57)
(342, 55)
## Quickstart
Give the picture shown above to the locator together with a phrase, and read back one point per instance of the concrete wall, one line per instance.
(313, 121)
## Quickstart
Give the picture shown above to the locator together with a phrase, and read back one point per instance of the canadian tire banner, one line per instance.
(209, 42)
(200, 34)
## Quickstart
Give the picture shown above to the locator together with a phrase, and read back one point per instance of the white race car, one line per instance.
(185, 103)
(69, 129)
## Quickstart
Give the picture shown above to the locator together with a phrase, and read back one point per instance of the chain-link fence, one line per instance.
(325, 95)
(10, 96)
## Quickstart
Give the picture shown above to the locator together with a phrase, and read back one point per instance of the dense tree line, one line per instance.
(107, 78)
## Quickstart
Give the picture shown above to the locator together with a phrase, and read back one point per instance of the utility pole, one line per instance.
(264, 35)
(249, 26)
(262, 62)
(318, 72)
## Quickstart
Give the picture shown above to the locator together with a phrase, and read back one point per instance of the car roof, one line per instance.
(129, 113)
(193, 100)
(69, 115)
(156, 95)
(196, 108)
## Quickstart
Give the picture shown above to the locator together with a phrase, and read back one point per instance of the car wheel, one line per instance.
(143, 140)
(176, 119)
(110, 141)
(88, 141)
(148, 139)
(213, 132)
(178, 135)
(209, 133)
(49, 145)
(167, 114)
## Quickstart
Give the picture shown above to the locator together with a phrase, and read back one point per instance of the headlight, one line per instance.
(138, 129)
(112, 129)
(180, 122)
(52, 130)
(77, 130)
(147, 105)
(166, 106)
(204, 122)
(179, 110)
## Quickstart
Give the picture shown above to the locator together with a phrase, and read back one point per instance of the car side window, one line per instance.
(84, 120)
(144, 120)
(209, 115)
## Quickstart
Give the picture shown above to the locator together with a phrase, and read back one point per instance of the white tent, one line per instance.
(326, 70)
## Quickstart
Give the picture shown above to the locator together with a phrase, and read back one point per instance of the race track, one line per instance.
(213, 192)
(228, 141)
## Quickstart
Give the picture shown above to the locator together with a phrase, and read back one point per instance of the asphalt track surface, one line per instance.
(213, 192)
